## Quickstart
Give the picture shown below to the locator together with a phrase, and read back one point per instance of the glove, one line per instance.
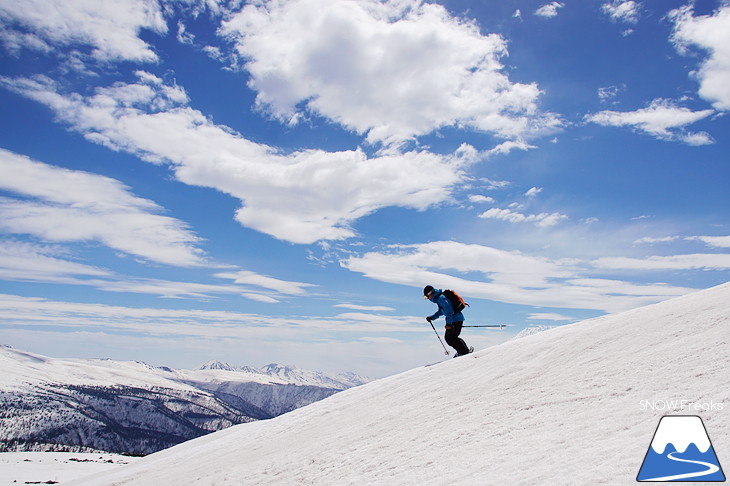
(429, 319)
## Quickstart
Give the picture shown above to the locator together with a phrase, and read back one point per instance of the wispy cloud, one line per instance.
(626, 11)
(27, 262)
(512, 216)
(714, 241)
(61, 205)
(371, 308)
(479, 198)
(22, 261)
(697, 261)
(608, 94)
(649, 240)
(662, 119)
(548, 316)
(245, 277)
(511, 277)
(30, 311)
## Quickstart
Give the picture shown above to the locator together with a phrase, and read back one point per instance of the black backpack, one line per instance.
(457, 303)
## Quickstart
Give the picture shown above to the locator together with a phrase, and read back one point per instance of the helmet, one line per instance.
(427, 291)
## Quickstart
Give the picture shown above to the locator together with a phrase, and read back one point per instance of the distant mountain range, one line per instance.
(134, 408)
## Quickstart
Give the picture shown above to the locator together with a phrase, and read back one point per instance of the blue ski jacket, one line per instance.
(445, 308)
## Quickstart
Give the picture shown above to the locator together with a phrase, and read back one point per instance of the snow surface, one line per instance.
(55, 467)
(562, 407)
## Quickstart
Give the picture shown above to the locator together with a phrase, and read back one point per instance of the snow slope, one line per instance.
(565, 406)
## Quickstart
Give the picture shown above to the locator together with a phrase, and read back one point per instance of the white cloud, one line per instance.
(549, 10)
(626, 11)
(711, 33)
(110, 29)
(29, 311)
(245, 277)
(508, 146)
(266, 299)
(168, 289)
(62, 205)
(391, 70)
(697, 261)
(533, 192)
(22, 261)
(300, 197)
(651, 240)
(714, 241)
(662, 119)
(541, 219)
(548, 316)
(28, 262)
(609, 93)
(510, 277)
(371, 308)
(478, 198)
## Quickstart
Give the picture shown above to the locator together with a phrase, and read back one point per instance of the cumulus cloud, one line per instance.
(109, 29)
(712, 34)
(508, 276)
(63, 205)
(663, 119)
(392, 70)
(301, 197)
(549, 10)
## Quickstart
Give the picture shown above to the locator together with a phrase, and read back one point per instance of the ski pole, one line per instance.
(446, 351)
(501, 326)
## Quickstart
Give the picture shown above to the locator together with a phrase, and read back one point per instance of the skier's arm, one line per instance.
(446, 309)
(438, 314)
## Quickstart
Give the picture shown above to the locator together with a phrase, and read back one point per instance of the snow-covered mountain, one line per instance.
(131, 407)
(566, 406)
(293, 375)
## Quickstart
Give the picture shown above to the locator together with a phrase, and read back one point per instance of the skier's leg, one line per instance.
(452, 338)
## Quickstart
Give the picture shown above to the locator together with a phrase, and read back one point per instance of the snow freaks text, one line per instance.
(680, 406)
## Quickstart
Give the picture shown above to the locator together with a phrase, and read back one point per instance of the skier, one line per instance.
(454, 321)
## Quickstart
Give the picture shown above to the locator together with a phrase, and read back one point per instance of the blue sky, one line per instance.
(257, 182)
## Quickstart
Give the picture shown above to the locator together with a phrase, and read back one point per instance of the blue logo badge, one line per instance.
(681, 451)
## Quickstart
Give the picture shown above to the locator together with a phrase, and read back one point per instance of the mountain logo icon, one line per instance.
(681, 451)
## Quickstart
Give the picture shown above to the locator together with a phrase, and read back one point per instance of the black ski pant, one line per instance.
(452, 337)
